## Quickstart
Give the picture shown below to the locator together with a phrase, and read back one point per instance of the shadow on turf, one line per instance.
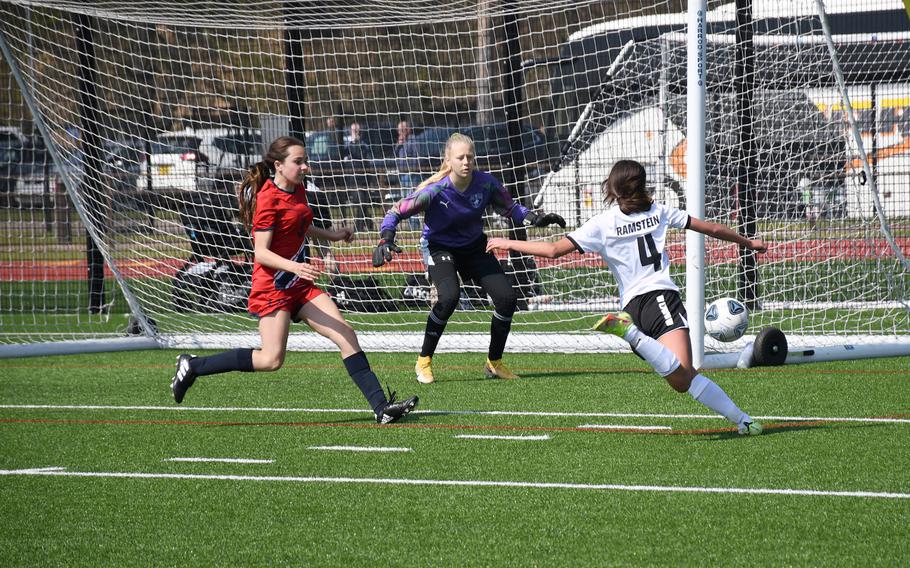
(523, 376)
(772, 429)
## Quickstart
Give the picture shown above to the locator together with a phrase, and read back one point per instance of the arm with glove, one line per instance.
(504, 205)
(411, 205)
(541, 219)
(383, 251)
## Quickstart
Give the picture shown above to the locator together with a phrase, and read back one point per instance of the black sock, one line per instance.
(234, 360)
(359, 369)
(432, 334)
(499, 332)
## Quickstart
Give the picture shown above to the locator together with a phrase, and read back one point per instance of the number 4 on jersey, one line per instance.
(649, 256)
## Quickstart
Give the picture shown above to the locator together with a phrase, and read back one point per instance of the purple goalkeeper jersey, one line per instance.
(453, 218)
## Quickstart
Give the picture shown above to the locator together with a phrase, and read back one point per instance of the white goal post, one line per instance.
(125, 126)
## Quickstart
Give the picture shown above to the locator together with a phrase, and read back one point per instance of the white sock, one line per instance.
(706, 391)
(659, 357)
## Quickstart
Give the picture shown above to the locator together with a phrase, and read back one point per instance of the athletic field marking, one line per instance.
(60, 472)
(487, 437)
(359, 449)
(623, 427)
(218, 460)
(449, 412)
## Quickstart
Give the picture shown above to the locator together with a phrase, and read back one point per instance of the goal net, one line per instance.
(125, 127)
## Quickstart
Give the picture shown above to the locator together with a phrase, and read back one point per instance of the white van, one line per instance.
(807, 158)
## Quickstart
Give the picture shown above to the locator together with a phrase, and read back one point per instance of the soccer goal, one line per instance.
(125, 126)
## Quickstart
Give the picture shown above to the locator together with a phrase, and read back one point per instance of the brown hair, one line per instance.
(626, 187)
(257, 175)
(445, 169)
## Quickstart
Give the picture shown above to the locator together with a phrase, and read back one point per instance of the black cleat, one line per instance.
(184, 377)
(395, 411)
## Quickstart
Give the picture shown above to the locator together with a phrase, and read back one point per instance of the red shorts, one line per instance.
(264, 302)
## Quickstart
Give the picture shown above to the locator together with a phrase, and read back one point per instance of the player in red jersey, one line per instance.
(273, 203)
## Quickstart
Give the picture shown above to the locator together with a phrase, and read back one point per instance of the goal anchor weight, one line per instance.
(770, 348)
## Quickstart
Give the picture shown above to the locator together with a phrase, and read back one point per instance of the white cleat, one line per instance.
(750, 428)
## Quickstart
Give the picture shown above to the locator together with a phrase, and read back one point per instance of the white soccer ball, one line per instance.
(726, 319)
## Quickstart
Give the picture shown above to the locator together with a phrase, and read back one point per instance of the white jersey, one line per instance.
(633, 246)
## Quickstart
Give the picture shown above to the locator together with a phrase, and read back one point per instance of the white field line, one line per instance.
(486, 437)
(60, 472)
(218, 460)
(446, 412)
(622, 427)
(359, 449)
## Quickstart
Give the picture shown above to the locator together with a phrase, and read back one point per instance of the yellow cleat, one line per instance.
(498, 369)
(424, 369)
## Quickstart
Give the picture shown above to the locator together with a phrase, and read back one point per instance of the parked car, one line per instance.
(36, 173)
(11, 136)
(238, 150)
(10, 150)
(491, 143)
(177, 164)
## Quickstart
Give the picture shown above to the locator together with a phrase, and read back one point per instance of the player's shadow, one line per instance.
(540, 376)
(581, 374)
(773, 429)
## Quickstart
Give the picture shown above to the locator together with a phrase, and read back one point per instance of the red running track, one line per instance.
(814, 250)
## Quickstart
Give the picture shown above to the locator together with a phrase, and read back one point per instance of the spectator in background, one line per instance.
(358, 160)
(408, 163)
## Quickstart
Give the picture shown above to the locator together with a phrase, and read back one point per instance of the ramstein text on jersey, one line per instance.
(630, 228)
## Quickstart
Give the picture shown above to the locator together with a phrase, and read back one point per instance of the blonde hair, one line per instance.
(445, 169)
(257, 175)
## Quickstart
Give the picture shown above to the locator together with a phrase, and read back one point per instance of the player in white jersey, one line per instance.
(631, 237)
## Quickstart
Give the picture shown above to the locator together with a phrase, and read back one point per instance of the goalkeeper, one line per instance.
(453, 201)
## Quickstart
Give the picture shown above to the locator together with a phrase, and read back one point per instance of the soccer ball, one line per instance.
(726, 319)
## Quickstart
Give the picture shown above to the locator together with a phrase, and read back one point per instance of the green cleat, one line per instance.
(617, 324)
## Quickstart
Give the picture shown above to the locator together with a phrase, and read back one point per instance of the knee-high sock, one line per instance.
(702, 389)
(707, 392)
(659, 357)
(359, 369)
(499, 333)
(233, 360)
(432, 334)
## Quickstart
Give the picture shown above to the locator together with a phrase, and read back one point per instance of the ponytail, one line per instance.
(249, 188)
(445, 169)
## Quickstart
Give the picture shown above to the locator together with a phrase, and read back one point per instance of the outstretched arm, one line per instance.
(345, 234)
(725, 233)
(545, 249)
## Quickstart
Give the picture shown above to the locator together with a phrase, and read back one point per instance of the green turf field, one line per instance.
(87, 476)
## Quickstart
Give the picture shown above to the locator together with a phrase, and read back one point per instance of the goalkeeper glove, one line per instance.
(383, 252)
(544, 220)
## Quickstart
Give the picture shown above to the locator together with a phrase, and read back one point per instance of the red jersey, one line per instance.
(287, 216)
